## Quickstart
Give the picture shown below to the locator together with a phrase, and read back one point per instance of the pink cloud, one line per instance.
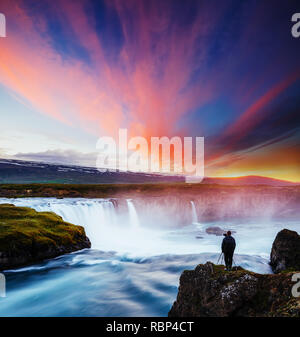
(149, 84)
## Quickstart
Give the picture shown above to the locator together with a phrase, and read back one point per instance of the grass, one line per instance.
(109, 190)
(22, 228)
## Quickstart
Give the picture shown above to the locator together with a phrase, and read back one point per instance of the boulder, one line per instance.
(209, 291)
(217, 231)
(285, 253)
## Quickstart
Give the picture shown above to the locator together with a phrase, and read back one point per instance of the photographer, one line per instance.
(228, 247)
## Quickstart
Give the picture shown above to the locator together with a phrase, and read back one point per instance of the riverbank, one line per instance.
(28, 236)
(212, 202)
(210, 291)
(136, 190)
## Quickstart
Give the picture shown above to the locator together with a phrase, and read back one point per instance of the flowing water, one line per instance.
(133, 217)
(194, 213)
(133, 268)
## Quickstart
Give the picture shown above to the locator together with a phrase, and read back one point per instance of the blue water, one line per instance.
(95, 283)
(132, 269)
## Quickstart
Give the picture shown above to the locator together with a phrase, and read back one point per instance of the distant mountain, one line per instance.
(249, 180)
(22, 172)
(27, 172)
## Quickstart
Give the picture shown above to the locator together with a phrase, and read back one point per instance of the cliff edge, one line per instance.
(210, 291)
(27, 236)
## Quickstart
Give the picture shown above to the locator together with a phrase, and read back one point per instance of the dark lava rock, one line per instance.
(27, 236)
(216, 231)
(209, 291)
(285, 254)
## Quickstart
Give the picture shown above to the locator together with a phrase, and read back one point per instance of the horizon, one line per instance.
(158, 69)
(151, 173)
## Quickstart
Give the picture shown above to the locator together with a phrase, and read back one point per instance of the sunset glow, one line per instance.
(72, 73)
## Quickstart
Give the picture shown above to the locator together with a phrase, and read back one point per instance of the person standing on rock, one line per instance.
(228, 247)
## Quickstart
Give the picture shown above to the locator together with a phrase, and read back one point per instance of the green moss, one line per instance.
(236, 272)
(23, 228)
(106, 190)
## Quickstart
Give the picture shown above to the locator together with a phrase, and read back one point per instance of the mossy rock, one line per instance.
(285, 254)
(210, 291)
(28, 236)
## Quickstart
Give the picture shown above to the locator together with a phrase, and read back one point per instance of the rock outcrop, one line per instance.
(285, 254)
(209, 291)
(27, 236)
(217, 231)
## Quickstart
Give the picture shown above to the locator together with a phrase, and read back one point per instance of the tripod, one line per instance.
(221, 255)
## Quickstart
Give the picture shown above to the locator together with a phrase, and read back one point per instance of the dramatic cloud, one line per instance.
(158, 68)
(60, 157)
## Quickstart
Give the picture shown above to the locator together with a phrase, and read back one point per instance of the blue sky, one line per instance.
(73, 71)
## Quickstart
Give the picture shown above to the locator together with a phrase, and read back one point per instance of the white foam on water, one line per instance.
(134, 266)
(126, 233)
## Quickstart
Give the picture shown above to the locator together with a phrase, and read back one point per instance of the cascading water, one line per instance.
(132, 270)
(96, 216)
(194, 213)
(110, 229)
(133, 217)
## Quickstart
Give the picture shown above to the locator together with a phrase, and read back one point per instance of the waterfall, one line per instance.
(124, 227)
(133, 217)
(194, 213)
(104, 225)
(98, 217)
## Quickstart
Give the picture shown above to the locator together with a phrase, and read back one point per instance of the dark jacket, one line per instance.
(228, 244)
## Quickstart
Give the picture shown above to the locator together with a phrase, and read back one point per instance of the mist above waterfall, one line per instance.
(140, 246)
(153, 226)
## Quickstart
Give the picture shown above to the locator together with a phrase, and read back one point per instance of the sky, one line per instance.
(229, 71)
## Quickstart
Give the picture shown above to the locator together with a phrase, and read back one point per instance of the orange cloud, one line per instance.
(145, 90)
(148, 87)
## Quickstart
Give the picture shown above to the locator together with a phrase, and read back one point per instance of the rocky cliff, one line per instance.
(210, 291)
(27, 236)
(285, 254)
